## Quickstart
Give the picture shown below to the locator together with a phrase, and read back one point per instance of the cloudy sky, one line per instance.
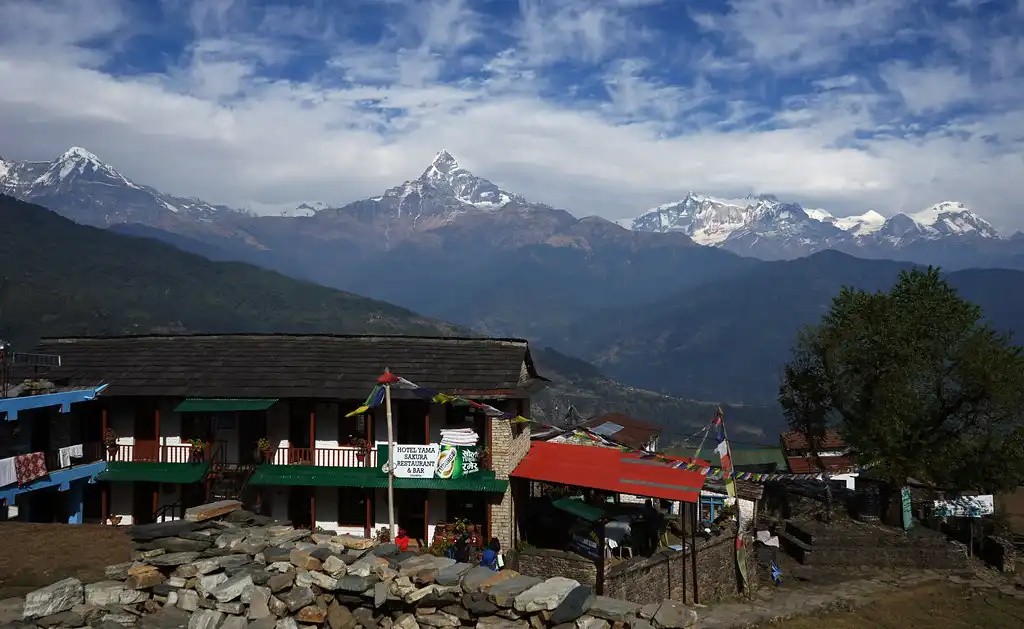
(597, 106)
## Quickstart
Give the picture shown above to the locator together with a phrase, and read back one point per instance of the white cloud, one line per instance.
(584, 105)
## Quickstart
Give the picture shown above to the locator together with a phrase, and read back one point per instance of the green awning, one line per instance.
(126, 472)
(223, 405)
(318, 476)
(579, 509)
(322, 476)
(483, 480)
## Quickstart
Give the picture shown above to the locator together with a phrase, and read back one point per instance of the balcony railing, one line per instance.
(154, 452)
(344, 456)
(91, 452)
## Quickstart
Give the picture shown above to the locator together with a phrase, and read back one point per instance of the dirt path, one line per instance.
(906, 597)
(37, 555)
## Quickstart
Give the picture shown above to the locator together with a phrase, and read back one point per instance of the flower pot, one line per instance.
(112, 450)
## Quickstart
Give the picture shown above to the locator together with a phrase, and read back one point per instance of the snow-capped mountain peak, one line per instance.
(952, 218)
(445, 174)
(78, 162)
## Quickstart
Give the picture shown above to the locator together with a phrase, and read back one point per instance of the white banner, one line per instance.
(416, 461)
(965, 507)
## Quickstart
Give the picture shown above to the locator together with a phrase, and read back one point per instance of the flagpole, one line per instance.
(391, 458)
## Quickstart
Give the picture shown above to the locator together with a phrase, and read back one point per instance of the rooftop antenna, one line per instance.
(10, 358)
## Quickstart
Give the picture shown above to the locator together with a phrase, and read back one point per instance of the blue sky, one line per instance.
(598, 106)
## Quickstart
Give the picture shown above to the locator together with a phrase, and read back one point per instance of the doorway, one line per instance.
(470, 506)
(300, 511)
(252, 426)
(142, 502)
(298, 433)
(411, 505)
(147, 445)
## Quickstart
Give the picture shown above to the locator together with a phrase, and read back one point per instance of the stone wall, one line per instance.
(543, 563)
(252, 573)
(1000, 553)
(647, 579)
(509, 444)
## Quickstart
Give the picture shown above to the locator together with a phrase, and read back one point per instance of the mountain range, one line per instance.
(661, 311)
(68, 279)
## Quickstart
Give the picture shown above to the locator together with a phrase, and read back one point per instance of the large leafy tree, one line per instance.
(917, 384)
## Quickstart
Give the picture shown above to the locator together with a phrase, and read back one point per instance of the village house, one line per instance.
(833, 452)
(265, 417)
(48, 470)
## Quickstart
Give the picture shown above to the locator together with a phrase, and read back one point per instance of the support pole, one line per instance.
(694, 520)
(601, 541)
(684, 508)
(75, 500)
(391, 459)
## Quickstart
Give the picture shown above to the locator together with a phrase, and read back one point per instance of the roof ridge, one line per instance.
(425, 337)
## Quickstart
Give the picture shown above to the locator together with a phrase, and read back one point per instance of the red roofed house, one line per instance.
(832, 450)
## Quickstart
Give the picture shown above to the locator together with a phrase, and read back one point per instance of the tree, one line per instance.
(916, 383)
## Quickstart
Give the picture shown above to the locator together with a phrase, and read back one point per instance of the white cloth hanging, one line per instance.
(76, 451)
(8, 475)
(64, 457)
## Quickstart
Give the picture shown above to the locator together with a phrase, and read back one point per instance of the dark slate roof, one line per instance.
(290, 365)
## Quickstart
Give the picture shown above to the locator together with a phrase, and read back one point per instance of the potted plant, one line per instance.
(361, 448)
(198, 449)
(110, 441)
(263, 448)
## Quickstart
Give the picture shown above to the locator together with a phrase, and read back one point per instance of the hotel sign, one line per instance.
(432, 461)
(416, 461)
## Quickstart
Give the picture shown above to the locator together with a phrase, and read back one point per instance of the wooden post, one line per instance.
(312, 434)
(104, 508)
(684, 507)
(156, 500)
(156, 427)
(312, 509)
(391, 459)
(426, 426)
(426, 518)
(694, 520)
(600, 557)
(368, 499)
(370, 445)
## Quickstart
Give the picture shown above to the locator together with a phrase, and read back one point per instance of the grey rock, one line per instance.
(640, 623)
(475, 577)
(547, 595)
(251, 546)
(276, 554)
(406, 621)
(496, 622)
(188, 600)
(335, 567)
(119, 571)
(205, 619)
(208, 582)
(478, 605)
(459, 612)
(277, 606)
(438, 619)
(365, 618)
(674, 615)
(56, 597)
(323, 581)
(339, 617)
(235, 607)
(229, 562)
(380, 594)
(229, 540)
(165, 618)
(589, 622)
(648, 611)
(122, 620)
(177, 544)
(297, 598)
(352, 583)
(61, 619)
(613, 609)
(385, 550)
(287, 623)
(281, 566)
(234, 622)
(452, 575)
(257, 598)
(280, 582)
(577, 603)
(263, 623)
(103, 593)
(104, 624)
(232, 588)
(175, 559)
(503, 594)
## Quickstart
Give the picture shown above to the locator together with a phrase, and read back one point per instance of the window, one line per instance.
(350, 429)
(351, 506)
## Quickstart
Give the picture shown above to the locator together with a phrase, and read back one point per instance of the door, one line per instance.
(300, 511)
(411, 507)
(252, 426)
(142, 502)
(298, 433)
(146, 445)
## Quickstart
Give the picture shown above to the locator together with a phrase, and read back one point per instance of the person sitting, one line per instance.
(489, 558)
(402, 540)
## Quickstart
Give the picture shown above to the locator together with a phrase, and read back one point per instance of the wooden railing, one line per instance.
(344, 456)
(154, 452)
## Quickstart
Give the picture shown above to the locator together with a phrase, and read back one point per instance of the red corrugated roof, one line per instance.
(804, 465)
(608, 469)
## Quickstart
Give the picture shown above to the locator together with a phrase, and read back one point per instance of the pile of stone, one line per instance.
(242, 571)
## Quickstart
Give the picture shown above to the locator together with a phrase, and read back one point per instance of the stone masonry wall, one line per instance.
(507, 450)
(543, 563)
(248, 572)
(645, 580)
